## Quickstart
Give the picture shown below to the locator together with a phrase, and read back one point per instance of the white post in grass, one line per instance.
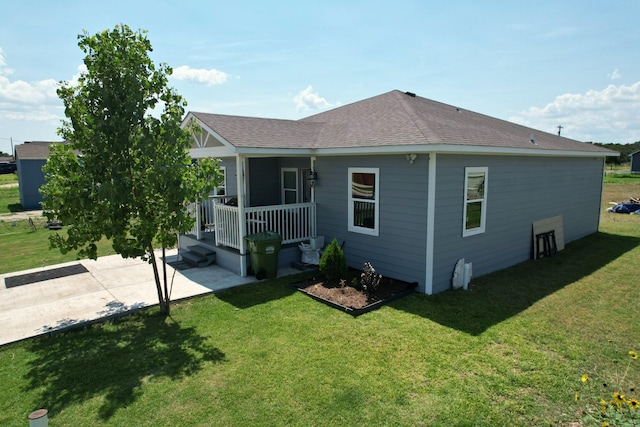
(39, 418)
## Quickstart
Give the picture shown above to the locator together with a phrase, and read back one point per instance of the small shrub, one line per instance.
(369, 280)
(333, 262)
(615, 403)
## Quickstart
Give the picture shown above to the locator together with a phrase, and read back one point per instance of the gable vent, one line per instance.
(411, 94)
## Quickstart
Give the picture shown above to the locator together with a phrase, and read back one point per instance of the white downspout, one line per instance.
(431, 212)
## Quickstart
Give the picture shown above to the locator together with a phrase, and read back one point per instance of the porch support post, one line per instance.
(198, 221)
(431, 212)
(313, 189)
(242, 224)
(312, 217)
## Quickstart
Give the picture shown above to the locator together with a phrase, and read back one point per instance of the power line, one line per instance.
(11, 139)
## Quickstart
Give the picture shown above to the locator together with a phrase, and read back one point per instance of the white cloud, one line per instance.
(80, 71)
(200, 75)
(39, 92)
(21, 92)
(37, 114)
(608, 115)
(307, 99)
(615, 75)
(4, 70)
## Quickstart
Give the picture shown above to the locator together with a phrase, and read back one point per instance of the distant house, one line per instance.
(30, 158)
(635, 162)
(406, 183)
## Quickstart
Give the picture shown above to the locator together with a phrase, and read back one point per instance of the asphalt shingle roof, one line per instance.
(35, 150)
(262, 133)
(392, 119)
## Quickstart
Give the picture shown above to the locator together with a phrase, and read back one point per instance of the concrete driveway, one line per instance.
(107, 287)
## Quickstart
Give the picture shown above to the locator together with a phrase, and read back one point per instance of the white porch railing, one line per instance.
(293, 222)
(204, 215)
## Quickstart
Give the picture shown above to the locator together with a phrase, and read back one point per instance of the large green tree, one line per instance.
(126, 173)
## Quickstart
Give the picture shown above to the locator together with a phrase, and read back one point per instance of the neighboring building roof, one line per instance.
(34, 150)
(394, 119)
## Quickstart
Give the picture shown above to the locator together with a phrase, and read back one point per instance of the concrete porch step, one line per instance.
(199, 256)
(201, 250)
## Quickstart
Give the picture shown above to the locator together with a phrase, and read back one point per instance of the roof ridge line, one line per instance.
(408, 108)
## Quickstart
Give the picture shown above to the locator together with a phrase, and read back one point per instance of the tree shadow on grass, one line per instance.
(113, 360)
(498, 296)
(258, 293)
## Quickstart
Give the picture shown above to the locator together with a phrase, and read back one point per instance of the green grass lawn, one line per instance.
(23, 247)
(9, 194)
(508, 352)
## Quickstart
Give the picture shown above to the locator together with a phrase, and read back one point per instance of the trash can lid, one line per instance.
(265, 235)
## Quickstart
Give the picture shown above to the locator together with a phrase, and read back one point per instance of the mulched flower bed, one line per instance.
(350, 299)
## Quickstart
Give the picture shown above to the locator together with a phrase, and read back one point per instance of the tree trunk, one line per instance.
(162, 300)
(167, 296)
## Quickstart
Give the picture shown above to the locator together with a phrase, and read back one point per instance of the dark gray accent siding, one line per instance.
(264, 182)
(264, 178)
(399, 250)
(30, 179)
(520, 190)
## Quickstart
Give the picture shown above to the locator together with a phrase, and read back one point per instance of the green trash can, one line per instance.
(264, 248)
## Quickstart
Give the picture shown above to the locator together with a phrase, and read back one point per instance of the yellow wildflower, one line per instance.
(618, 398)
(585, 378)
(633, 355)
(577, 397)
(605, 424)
(633, 403)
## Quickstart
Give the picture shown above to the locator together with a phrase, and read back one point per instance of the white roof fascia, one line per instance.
(252, 151)
(199, 153)
(459, 149)
(231, 150)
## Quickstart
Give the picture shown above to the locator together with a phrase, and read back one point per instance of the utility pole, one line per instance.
(559, 129)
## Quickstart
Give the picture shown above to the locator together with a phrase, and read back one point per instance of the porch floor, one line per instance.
(216, 278)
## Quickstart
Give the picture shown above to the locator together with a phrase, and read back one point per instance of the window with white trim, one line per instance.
(221, 189)
(289, 180)
(475, 200)
(364, 200)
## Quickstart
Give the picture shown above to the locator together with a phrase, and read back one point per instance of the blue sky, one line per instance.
(542, 63)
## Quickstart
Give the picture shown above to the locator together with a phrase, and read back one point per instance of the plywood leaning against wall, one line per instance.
(554, 224)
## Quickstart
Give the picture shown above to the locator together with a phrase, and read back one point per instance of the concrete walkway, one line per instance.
(111, 286)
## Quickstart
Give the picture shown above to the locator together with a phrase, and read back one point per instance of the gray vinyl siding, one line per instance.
(399, 250)
(232, 176)
(30, 178)
(520, 190)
